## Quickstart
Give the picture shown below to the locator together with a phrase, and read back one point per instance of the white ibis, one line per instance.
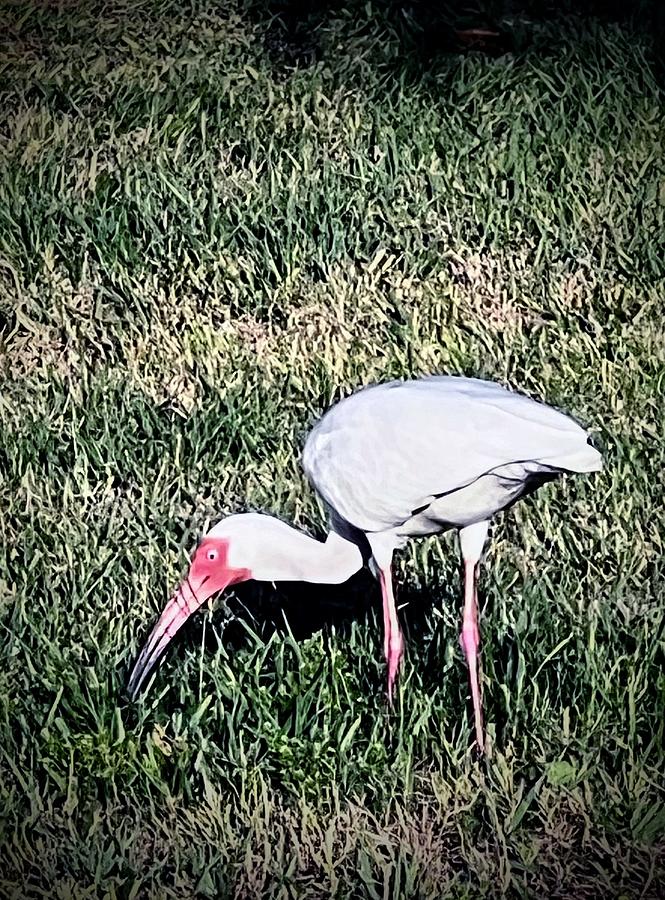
(391, 462)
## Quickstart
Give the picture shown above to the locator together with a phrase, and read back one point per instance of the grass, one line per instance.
(211, 227)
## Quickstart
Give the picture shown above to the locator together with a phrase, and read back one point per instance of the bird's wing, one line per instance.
(390, 449)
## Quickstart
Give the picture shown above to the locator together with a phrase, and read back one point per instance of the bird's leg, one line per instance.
(471, 642)
(472, 541)
(386, 620)
(393, 643)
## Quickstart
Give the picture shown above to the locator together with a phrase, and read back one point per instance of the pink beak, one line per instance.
(186, 600)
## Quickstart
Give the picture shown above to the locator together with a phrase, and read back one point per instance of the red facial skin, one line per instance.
(208, 574)
(209, 571)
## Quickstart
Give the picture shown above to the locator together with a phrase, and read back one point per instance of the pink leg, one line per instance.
(470, 642)
(393, 643)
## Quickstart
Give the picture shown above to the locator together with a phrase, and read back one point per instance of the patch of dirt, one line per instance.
(477, 278)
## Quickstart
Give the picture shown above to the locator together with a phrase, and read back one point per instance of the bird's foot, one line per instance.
(480, 742)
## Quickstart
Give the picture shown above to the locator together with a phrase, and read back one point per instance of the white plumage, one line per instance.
(415, 457)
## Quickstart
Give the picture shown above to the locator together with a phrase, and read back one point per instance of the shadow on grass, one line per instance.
(304, 610)
(428, 30)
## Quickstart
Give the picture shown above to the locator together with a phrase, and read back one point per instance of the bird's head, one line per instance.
(240, 547)
(224, 557)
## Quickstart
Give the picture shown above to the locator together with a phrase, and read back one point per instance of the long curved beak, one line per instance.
(186, 600)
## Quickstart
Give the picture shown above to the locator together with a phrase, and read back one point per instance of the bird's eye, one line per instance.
(212, 555)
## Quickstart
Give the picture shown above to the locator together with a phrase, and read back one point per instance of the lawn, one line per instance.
(212, 226)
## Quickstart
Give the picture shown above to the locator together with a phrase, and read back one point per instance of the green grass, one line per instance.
(209, 234)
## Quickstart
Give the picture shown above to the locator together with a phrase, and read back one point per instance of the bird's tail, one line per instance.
(582, 459)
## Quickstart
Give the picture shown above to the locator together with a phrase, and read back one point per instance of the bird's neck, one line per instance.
(302, 558)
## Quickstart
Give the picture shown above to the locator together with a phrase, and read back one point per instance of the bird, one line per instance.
(392, 461)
